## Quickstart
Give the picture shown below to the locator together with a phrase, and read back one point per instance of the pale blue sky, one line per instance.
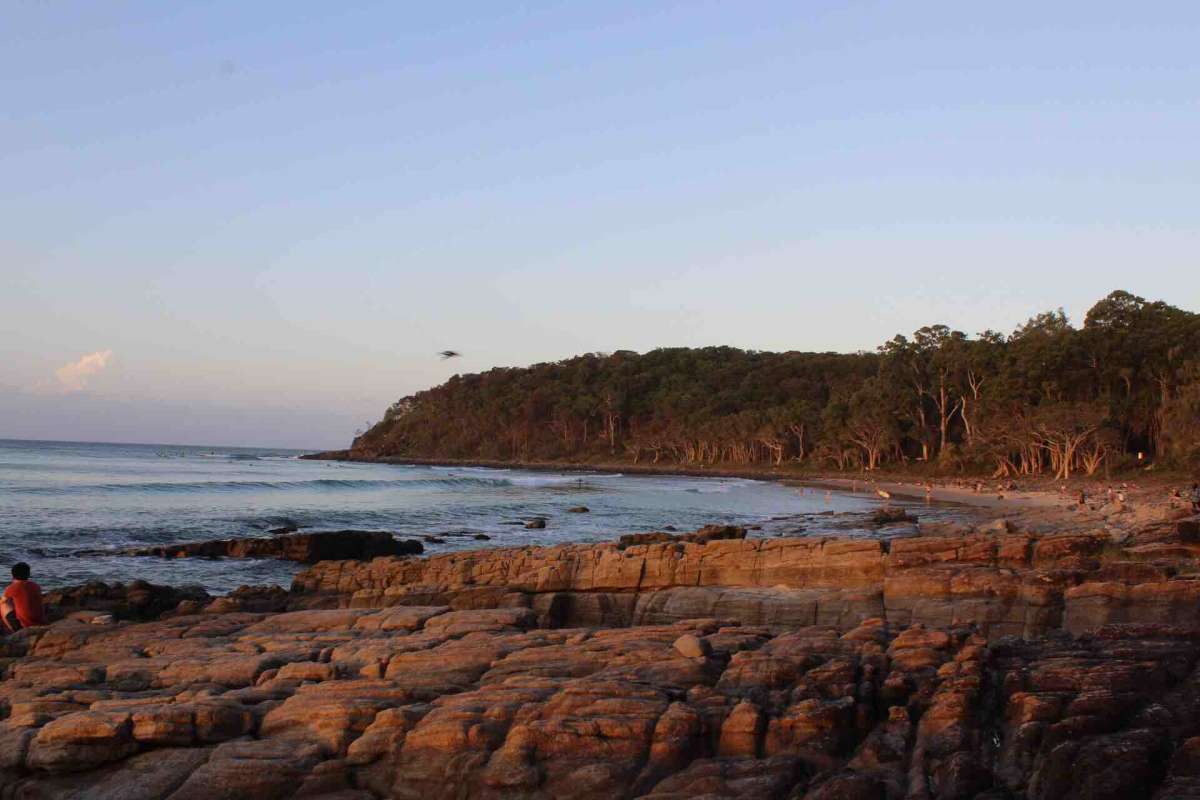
(275, 214)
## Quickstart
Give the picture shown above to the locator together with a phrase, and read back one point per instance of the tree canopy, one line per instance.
(1049, 398)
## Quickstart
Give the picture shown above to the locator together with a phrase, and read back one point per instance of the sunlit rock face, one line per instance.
(1006, 583)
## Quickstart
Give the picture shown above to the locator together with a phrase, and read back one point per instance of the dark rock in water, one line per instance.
(890, 516)
(327, 455)
(433, 540)
(578, 510)
(467, 534)
(754, 528)
(290, 527)
(670, 528)
(704, 535)
(136, 600)
(482, 537)
(307, 548)
(536, 524)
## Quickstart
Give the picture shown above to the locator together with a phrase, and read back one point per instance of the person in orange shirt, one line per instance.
(21, 606)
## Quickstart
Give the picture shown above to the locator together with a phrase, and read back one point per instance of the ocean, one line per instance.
(69, 509)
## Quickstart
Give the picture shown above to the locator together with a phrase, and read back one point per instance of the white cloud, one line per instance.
(74, 377)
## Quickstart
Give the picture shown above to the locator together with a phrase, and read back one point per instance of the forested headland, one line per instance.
(1048, 399)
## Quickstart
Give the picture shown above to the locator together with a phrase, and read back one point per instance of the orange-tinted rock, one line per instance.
(81, 741)
(332, 714)
(741, 733)
(817, 668)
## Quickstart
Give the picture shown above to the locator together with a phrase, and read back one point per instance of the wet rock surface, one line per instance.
(472, 676)
(307, 548)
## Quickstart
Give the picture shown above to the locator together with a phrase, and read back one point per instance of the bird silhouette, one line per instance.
(449, 354)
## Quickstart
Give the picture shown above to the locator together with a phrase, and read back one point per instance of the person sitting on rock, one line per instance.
(21, 605)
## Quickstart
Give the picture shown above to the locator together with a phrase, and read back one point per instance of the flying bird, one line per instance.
(449, 354)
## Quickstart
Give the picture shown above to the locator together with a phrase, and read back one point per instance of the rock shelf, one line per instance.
(999, 664)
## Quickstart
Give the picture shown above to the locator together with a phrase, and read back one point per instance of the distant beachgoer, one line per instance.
(21, 605)
(1196, 498)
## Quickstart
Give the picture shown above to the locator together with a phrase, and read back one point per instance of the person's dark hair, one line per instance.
(20, 571)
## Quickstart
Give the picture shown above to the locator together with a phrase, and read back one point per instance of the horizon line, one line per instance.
(154, 444)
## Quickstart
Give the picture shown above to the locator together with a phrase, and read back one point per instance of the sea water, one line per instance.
(71, 509)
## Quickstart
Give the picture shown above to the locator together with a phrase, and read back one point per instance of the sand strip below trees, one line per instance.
(988, 498)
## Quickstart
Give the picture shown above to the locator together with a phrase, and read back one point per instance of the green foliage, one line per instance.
(1048, 398)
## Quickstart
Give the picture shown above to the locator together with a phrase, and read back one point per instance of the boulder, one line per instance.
(82, 741)
(709, 533)
(691, 646)
(137, 600)
(256, 599)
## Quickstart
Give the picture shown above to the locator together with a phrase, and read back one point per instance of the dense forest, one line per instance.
(1048, 399)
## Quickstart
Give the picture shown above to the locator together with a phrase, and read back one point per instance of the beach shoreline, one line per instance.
(1030, 493)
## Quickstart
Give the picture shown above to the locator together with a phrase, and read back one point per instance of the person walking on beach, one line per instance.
(21, 605)
(1196, 498)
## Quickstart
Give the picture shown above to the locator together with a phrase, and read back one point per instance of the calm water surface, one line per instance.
(70, 508)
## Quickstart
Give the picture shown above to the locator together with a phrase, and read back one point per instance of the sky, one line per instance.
(258, 223)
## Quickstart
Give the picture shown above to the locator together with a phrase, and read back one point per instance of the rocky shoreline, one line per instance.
(1014, 659)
